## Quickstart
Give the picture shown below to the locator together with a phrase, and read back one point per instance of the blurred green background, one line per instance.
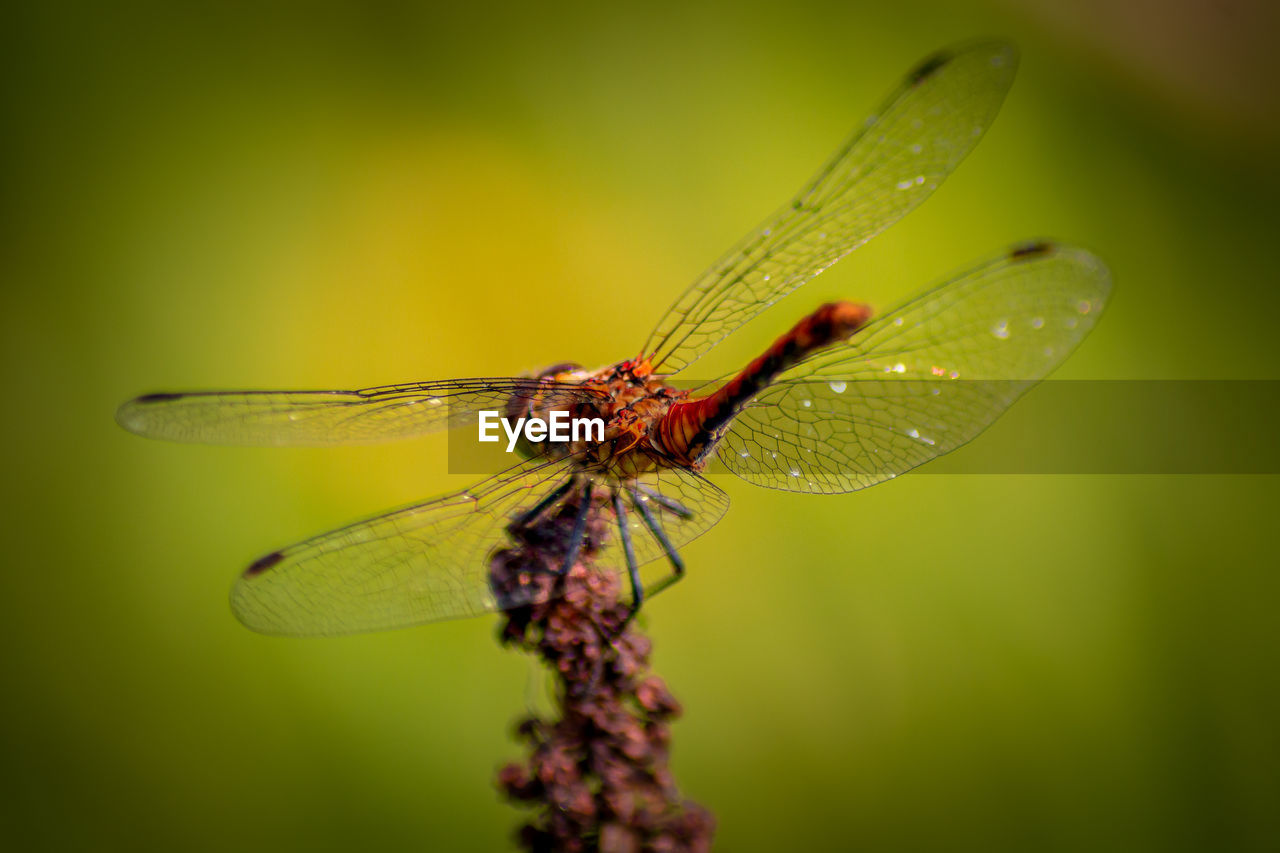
(331, 195)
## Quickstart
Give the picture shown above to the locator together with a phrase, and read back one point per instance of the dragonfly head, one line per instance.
(557, 372)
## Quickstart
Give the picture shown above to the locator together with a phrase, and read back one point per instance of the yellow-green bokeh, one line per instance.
(336, 196)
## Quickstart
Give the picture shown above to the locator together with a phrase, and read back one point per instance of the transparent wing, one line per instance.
(430, 561)
(417, 564)
(923, 379)
(321, 418)
(894, 162)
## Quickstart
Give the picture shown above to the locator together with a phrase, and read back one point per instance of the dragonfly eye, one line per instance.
(555, 369)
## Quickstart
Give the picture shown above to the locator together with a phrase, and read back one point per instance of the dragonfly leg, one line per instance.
(651, 522)
(665, 502)
(526, 518)
(529, 516)
(633, 571)
(579, 530)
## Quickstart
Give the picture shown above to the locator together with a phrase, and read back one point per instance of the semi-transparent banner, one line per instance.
(1055, 427)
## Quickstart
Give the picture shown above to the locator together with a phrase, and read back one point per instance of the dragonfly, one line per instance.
(842, 401)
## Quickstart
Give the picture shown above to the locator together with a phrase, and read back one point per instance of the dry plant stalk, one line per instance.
(596, 777)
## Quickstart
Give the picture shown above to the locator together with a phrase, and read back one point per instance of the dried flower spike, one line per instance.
(596, 777)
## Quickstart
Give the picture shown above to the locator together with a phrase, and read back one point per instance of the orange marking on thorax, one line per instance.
(690, 429)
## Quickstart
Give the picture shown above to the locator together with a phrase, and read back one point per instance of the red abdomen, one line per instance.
(689, 430)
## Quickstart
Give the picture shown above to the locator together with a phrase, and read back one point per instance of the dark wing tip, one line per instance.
(929, 66)
(1035, 249)
(1003, 54)
(261, 564)
(133, 415)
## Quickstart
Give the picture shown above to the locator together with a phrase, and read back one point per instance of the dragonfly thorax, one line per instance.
(627, 397)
